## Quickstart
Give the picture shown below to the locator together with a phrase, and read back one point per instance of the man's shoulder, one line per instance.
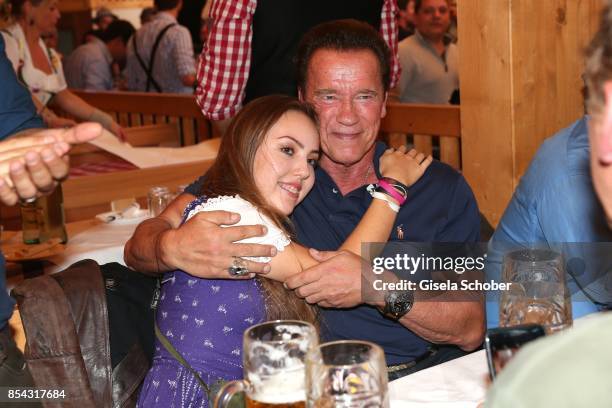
(452, 50)
(566, 151)
(179, 32)
(550, 172)
(442, 185)
(449, 186)
(441, 173)
(408, 44)
(87, 50)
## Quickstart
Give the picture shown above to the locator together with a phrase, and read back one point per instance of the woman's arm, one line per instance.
(377, 222)
(375, 225)
(77, 107)
(49, 117)
(73, 105)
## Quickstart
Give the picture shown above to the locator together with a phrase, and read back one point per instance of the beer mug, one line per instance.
(346, 374)
(274, 356)
(538, 292)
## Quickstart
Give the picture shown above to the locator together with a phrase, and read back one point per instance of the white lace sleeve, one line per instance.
(249, 215)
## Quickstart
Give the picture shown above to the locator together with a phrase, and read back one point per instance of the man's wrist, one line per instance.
(397, 304)
(163, 257)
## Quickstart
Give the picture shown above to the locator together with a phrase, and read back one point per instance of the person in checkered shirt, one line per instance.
(250, 48)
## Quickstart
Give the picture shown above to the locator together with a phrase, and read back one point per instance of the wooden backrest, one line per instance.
(132, 109)
(84, 197)
(425, 122)
(166, 135)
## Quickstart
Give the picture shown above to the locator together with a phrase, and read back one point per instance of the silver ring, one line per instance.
(238, 267)
(27, 200)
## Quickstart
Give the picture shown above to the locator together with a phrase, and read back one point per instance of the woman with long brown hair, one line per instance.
(264, 168)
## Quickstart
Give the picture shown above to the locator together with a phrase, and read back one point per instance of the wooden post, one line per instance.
(521, 63)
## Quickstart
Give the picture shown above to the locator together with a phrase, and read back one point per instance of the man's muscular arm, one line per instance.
(451, 322)
(200, 247)
(140, 252)
(336, 282)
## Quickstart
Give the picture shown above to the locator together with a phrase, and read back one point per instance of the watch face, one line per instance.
(397, 304)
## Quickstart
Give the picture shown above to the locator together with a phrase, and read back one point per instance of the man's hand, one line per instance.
(335, 282)
(32, 165)
(203, 248)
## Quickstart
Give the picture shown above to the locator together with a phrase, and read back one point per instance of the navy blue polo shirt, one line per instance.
(440, 208)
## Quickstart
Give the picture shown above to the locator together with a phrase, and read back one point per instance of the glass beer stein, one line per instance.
(274, 356)
(538, 293)
(346, 374)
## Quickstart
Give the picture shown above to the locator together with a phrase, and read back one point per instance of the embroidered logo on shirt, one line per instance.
(399, 231)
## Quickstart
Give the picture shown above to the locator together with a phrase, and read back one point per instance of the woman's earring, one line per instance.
(31, 21)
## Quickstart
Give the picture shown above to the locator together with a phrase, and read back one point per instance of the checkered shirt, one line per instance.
(223, 67)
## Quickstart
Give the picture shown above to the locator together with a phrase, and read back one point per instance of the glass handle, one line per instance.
(225, 394)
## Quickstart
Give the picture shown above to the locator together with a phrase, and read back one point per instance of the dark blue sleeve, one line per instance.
(195, 188)
(463, 219)
(17, 111)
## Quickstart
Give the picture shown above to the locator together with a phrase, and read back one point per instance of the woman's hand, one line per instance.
(405, 167)
(108, 122)
(117, 130)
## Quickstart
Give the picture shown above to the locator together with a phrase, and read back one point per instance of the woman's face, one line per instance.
(45, 16)
(284, 164)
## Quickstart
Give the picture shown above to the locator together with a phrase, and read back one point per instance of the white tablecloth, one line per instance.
(102, 242)
(458, 383)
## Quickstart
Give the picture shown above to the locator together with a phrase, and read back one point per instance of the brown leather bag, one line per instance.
(68, 348)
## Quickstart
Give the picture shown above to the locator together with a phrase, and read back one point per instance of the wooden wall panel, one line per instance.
(548, 39)
(74, 5)
(520, 69)
(486, 95)
(113, 4)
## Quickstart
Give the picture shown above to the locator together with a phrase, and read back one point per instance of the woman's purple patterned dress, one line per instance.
(204, 319)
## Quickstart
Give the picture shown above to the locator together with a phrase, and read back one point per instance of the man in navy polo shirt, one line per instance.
(344, 72)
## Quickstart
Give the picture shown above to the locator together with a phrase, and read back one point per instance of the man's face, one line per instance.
(406, 16)
(433, 18)
(600, 136)
(348, 95)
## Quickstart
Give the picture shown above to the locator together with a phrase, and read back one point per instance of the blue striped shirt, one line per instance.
(89, 67)
(173, 60)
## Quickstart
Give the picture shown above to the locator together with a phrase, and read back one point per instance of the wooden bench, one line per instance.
(89, 195)
(84, 197)
(425, 122)
(141, 108)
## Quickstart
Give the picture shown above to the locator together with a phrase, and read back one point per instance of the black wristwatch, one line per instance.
(397, 304)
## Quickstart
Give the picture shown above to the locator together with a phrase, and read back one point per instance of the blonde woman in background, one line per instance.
(40, 67)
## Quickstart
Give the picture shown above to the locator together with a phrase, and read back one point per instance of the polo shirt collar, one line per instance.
(325, 180)
(447, 40)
